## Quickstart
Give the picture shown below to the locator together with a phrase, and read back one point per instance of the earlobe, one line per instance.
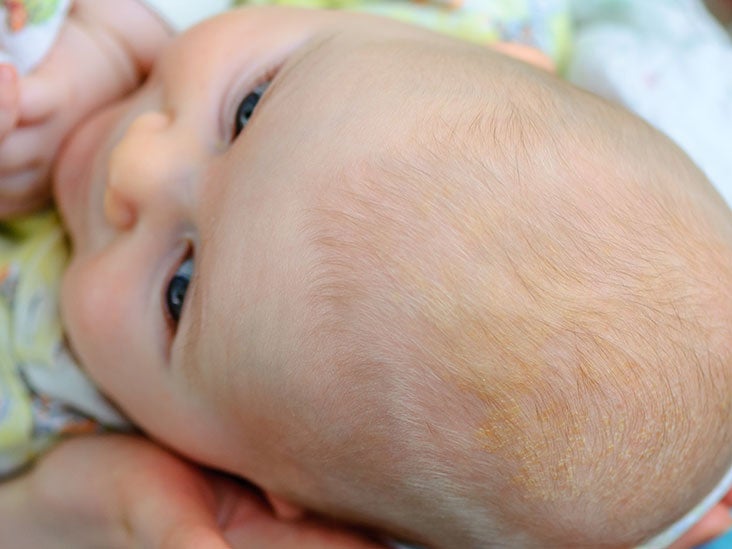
(284, 509)
(527, 54)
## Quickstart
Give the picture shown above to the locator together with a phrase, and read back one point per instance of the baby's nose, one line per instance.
(142, 169)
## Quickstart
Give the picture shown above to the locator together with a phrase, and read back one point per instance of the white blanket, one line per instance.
(670, 62)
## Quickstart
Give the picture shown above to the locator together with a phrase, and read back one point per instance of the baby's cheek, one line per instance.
(74, 307)
(91, 314)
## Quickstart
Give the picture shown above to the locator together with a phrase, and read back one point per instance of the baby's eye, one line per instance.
(175, 294)
(247, 106)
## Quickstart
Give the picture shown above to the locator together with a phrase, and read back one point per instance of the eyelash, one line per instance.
(260, 84)
(250, 101)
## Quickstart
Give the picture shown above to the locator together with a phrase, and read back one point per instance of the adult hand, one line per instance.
(125, 491)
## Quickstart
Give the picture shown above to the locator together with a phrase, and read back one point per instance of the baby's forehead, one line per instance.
(368, 51)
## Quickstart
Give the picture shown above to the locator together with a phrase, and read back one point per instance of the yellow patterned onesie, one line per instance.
(43, 392)
(543, 24)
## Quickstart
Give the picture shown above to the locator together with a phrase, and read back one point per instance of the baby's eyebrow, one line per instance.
(298, 58)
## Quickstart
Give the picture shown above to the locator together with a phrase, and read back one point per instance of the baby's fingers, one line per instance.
(24, 172)
(21, 193)
(9, 110)
(40, 97)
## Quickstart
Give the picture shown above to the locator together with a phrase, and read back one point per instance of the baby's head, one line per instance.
(434, 290)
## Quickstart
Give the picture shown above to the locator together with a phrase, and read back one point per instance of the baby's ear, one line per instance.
(527, 54)
(284, 509)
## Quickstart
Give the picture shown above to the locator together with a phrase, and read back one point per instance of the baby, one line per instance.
(44, 392)
(525, 317)
(404, 282)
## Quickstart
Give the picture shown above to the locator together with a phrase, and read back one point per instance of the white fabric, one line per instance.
(181, 15)
(26, 47)
(669, 62)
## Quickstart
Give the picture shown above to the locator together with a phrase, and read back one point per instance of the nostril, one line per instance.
(118, 211)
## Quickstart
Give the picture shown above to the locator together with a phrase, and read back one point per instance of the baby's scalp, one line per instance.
(530, 291)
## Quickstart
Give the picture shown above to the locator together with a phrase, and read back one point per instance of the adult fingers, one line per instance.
(727, 499)
(194, 535)
(527, 54)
